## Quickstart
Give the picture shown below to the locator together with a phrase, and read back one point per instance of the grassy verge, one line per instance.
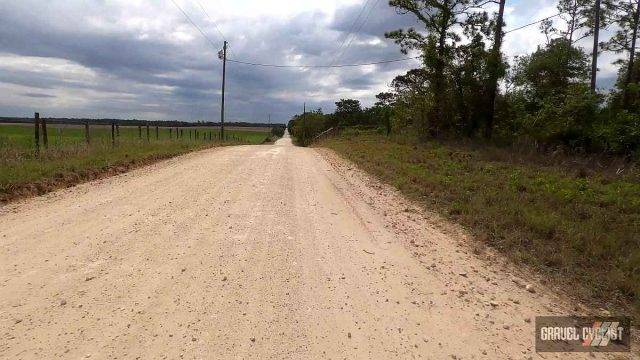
(69, 161)
(583, 230)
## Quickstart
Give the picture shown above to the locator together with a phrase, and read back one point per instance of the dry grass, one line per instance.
(68, 160)
(581, 228)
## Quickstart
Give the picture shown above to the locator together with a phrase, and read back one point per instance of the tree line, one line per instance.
(467, 88)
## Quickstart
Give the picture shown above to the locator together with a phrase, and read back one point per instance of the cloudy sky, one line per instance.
(143, 59)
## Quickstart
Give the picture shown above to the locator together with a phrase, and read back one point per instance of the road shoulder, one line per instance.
(481, 276)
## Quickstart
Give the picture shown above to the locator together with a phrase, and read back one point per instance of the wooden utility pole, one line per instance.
(594, 56)
(224, 75)
(37, 132)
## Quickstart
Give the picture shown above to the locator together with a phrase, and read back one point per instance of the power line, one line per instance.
(214, 23)
(323, 66)
(355, 36)
(332, 65)
(353, 26)
(533, 23)
(284, 66)
(194, 24)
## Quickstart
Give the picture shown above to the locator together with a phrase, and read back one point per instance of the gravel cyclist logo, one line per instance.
(582, 334)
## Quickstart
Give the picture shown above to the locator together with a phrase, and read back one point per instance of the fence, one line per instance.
(91, 135)
(334, 131)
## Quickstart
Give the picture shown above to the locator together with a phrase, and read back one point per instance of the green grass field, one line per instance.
(69, 160)
(582, 230)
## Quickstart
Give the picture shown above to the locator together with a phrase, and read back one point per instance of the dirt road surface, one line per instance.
(269, 252)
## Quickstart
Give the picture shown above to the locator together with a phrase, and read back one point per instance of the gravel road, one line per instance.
(269, 252)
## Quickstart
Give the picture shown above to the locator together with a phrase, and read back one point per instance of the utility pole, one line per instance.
(594, 59)
(223, 56)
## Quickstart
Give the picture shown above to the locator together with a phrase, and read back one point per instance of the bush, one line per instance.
(619, 132)
(305, 128)
(565, 120)
(277, 131)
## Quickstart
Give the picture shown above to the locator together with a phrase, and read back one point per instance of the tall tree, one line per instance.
(439, 18)
(574, 25)
(551, 70)
(348, 112)
(496, 70)
(626, 14)
(576, 15)
(384, 109)
(596, 35)
(632, 53)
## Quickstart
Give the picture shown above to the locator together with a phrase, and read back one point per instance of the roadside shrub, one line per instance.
(277, 131)
(305, 128)
(619, 132)
(564, 120)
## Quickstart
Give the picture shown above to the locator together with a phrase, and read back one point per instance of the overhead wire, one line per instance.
(533, 23)
(212, 21)
(331, 65)
(354, 36)
(349, 33)
(194, 24)
(279, 65)
(323, 66)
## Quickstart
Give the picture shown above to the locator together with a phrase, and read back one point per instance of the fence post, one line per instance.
(148, 139)
(189, 134)
(157, 133)
(113, 134)
(87, 136)
(45, 137)
(118, 131)
(36, 121)
(140, 132)
(170, 133)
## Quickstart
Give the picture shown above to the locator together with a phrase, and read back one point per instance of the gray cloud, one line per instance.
(116, 59)
(380, 19)
(37, 95)
(139, 74)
